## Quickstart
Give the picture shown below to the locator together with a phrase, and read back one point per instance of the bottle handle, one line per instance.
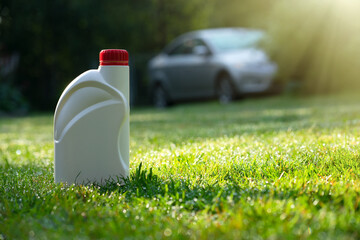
(116, 94)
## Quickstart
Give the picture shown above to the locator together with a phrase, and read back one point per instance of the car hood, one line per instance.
(247, 56)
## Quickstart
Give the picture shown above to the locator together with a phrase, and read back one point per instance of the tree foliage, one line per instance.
(315, 42)
(59, 39)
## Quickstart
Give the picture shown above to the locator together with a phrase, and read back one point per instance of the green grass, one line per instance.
(275, 168)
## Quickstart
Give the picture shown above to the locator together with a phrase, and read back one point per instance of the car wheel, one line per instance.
(225, 90)
(160, 98)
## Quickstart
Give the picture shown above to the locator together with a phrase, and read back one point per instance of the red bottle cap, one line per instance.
(110, 57)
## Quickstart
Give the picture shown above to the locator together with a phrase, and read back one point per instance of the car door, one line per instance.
(200, 68)
(187, 71)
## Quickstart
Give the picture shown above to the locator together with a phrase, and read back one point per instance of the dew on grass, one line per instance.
(167, 232)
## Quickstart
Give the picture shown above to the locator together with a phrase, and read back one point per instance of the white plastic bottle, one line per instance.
(91, 124)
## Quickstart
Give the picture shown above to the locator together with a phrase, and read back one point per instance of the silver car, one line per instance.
(225, 63)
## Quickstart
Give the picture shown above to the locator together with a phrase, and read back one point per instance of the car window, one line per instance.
(236, 40)
(186, 47)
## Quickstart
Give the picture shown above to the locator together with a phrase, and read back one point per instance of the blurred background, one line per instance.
(46, 44)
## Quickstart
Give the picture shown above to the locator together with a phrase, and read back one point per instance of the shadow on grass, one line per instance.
(194, 123)
(28, 186)
(213, 198)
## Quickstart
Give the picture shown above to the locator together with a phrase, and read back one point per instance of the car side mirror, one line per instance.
(201, 50)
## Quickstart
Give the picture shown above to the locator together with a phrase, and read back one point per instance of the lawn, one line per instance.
(275, 168)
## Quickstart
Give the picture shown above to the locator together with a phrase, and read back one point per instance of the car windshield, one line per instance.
(235, 40)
